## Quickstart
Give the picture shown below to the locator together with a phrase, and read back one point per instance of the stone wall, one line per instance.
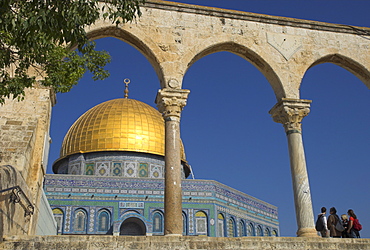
(17, 141)
(180, 243)
(14, 219)
(24, 139)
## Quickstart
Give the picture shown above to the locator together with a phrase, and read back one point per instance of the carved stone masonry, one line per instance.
(170, 102)
(290, 113)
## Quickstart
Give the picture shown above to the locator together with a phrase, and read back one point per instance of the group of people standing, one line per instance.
(344, 227)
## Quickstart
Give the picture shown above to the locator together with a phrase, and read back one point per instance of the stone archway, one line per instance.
(132, 227)
(170, 36)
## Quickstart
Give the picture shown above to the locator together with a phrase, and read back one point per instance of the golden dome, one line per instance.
(117, 125)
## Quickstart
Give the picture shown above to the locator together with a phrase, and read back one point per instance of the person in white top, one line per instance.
(322, 217)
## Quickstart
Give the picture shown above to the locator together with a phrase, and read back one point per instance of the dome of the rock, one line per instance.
(119, 125)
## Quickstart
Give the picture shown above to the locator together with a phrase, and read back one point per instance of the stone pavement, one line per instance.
(95, 242)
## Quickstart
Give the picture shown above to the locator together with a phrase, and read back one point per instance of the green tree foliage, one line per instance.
(38, 35)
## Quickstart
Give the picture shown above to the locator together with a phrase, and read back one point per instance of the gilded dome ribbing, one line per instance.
(117, 125)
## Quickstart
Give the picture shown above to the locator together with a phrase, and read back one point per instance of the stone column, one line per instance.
(170, 103)
(290, 113)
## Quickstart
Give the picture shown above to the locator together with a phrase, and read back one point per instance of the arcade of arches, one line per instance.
(283, 49)
(171, 37)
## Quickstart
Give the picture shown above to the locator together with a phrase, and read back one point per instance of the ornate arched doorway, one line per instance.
(133, 227)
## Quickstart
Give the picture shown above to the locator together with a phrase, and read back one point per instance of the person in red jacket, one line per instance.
(352, 232)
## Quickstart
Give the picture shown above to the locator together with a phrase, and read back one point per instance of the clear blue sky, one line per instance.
(227, 131)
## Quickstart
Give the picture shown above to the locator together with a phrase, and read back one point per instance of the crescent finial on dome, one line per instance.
(126, 81)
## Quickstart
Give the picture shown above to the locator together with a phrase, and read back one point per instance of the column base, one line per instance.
(307, 232)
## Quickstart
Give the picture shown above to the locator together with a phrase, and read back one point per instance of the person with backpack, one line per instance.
(321, 225)
(335, 224)
(354, 225)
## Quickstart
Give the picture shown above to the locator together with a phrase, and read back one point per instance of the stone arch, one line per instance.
(251, 56)
(359, 70)
(143, 46)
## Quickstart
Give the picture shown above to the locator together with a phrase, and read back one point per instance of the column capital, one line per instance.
(290, 113)
(170, 102)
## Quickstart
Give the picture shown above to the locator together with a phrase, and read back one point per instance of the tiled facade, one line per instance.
(121, 192)
(100, 205)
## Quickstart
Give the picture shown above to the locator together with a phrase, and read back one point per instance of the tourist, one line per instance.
(332, 221)
(352, 232)
(345, 225)
(321, 225)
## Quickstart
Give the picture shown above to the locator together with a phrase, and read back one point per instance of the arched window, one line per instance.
(184, 224)
(157, 222)
(250, 229)
(201, 223)
(80, 220)
(274, 233)
(232, 229)
(259, 231)
(241, 228)
(103, 220)
(59, 218)
(220, 225)
(266, 232)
